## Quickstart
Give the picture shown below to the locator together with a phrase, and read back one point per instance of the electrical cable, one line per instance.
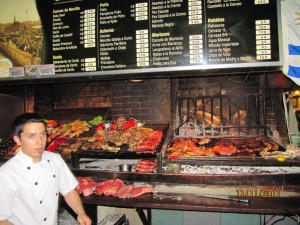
(266, 222)
(297, 219)
(276, 221)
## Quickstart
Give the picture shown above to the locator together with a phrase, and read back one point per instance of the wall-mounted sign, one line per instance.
(20, 34)
(118, 36)
(5, 64)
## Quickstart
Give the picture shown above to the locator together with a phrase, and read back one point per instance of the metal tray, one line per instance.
(122, 153)
(232, 160)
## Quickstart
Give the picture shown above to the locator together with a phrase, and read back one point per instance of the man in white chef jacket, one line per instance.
(31, 181)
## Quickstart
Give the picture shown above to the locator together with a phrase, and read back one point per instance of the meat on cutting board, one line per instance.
(102, 187)
(115, 187)
(88, 191)
(124, 192)
(112, 189)
(85, 183)
(138, 191)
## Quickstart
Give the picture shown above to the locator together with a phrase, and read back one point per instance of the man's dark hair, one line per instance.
(21, 120)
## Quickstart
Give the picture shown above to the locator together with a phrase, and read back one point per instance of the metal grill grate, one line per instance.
(221, 116)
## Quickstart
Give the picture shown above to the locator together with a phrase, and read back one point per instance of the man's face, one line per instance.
(33, 140)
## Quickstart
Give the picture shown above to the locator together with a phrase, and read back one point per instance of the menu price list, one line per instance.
(73, 36)
(117, 34)
(113, 35)
(250, 36)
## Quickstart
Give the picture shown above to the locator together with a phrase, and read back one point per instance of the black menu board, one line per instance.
(115, 36)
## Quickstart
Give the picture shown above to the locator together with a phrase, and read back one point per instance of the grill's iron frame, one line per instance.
(254, 125)
(230, 110)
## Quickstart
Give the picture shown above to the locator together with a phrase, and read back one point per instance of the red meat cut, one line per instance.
(100, 189)
(112, 190)
(104, 186)
(124, 192)
(88, 191)
(83, 183)
(138, 191)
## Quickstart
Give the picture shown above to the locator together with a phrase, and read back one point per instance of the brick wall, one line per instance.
(83, 95)
(148, 101)
(75, 95)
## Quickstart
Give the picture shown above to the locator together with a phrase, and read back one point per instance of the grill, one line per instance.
(221, 116)
(123, 153)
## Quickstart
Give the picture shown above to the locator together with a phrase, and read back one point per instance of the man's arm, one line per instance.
(73, 200)
(5, 222)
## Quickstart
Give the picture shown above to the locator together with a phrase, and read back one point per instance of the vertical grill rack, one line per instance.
(221, 116)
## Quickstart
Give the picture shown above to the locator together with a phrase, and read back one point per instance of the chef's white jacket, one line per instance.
(29, 192)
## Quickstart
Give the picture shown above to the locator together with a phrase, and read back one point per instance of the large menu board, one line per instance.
(169, 35)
